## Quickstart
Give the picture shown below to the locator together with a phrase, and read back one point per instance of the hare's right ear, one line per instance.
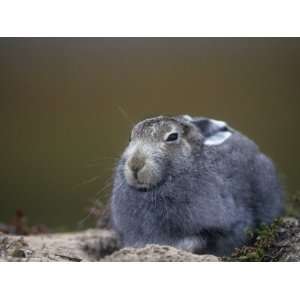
(214, 132)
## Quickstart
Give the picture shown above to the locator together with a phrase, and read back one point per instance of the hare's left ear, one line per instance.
(214, 132)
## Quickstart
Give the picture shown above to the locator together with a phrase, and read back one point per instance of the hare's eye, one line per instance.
(172, 137)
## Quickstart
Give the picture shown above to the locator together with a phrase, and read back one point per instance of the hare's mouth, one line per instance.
(138, 184)
(141, 187)
(144, 179)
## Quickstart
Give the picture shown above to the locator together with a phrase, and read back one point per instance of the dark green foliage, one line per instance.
(262, 241)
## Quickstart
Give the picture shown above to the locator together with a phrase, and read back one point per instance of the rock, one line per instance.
(287, 247)
(282, 240)
(156, 253)
(58, 247)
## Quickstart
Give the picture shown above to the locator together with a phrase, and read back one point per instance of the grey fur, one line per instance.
(203, 201)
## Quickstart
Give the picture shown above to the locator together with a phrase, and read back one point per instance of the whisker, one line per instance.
(124, 114)
(95, 204)
(83, 220)
(107, 185)
(121, 184)
(103, 158)
(87, 181)
(102, 161)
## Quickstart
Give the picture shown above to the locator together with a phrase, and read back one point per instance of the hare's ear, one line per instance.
(214, 132)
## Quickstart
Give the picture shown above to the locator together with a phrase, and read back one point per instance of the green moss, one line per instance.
(262, 240)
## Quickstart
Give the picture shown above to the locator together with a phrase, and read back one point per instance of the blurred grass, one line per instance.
(293, 205)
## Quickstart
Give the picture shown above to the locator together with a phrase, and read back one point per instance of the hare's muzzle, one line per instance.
(140, 170)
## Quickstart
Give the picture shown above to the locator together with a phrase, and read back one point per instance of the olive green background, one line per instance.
(67, 106)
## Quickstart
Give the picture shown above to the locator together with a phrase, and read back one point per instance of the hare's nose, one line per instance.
(136, 166)
(135, 171)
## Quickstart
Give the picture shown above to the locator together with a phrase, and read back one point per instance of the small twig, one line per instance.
(69, 257)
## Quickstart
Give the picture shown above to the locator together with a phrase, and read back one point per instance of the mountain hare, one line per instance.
(192, 183)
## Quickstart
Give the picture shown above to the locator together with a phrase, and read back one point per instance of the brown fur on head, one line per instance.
(154, 144)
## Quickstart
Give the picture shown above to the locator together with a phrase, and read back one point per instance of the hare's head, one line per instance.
(162, 147)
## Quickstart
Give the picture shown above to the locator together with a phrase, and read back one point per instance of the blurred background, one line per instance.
(67, 107)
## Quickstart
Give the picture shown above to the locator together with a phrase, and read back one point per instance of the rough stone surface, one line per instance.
(287, 248)
(103, 245)
(155, 253)
(78, 246)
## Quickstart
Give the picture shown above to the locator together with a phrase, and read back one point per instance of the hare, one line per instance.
(192, 183)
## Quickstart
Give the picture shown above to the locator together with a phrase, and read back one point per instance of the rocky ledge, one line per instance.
(279, 242)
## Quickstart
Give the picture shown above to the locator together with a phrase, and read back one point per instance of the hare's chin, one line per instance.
(139, 185)
(136, 184)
